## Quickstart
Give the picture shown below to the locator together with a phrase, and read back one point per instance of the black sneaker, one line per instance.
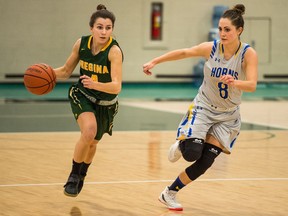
(71, 187)
(81, 183)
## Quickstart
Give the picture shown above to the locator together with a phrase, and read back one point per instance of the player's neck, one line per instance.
(231, 49)
(97, 47)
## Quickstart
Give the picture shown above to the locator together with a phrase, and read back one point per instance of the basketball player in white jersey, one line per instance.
(212, 122)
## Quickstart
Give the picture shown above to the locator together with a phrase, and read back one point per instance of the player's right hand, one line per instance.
(147, 67)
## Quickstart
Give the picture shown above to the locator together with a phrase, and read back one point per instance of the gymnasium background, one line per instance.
(34, 31)
(38, 133)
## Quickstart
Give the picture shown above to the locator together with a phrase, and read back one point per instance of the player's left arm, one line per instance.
(115, 86)
(250, 67)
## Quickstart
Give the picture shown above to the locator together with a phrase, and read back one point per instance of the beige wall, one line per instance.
(35, 31)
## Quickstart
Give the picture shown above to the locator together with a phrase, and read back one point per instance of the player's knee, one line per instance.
(210, 152)
(199, 167)
(192, 149)
(88, 135)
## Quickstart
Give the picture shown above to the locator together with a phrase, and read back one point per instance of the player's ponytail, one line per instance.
(240, 8)
(101, 12)
(101, 7)
(235, 15)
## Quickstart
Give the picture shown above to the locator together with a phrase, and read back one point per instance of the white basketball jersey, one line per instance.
(213, 92)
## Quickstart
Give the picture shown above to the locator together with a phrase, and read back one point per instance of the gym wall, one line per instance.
(34, 31)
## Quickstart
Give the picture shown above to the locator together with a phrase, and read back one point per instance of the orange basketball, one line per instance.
(39, 79)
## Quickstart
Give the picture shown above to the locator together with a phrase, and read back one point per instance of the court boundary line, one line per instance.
(146, 181)
(120, 131)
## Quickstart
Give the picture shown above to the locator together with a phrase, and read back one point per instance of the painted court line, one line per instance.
(146, 181)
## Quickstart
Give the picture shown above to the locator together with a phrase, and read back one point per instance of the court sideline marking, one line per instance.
(147, 181)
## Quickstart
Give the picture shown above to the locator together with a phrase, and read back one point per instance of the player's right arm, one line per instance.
(201, 50)
(66, 70)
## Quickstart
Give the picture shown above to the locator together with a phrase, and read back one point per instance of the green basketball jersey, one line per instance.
(98, 66)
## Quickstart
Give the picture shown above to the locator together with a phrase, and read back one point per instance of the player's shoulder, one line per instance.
(247, 47)
(207, 44)
(204, 49)
(115, 52)
(77, 44)
(250, 52)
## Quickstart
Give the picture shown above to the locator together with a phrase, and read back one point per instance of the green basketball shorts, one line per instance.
(104, 111)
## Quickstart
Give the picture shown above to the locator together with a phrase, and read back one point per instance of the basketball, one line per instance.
(39, 79)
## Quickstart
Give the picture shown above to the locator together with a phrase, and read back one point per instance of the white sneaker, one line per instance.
(174, 153)
(168, 197)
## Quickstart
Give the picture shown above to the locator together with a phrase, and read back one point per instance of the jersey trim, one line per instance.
(237, 51)
(213, 49)
(235, 54)
(109, 42)
(221, 49)
(104, 48)
(89, 42)
(244, 51)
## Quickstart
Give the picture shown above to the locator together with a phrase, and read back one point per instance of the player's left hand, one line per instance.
(227, 79)
(87, 82)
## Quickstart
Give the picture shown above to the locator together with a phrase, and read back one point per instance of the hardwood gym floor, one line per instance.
(130, 168)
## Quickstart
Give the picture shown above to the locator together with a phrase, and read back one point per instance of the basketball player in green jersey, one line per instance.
(93, 98)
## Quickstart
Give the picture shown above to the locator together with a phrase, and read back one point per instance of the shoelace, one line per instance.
(172, 195)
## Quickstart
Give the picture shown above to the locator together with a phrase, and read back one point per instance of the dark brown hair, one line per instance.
(101, 12)
(235, 15)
